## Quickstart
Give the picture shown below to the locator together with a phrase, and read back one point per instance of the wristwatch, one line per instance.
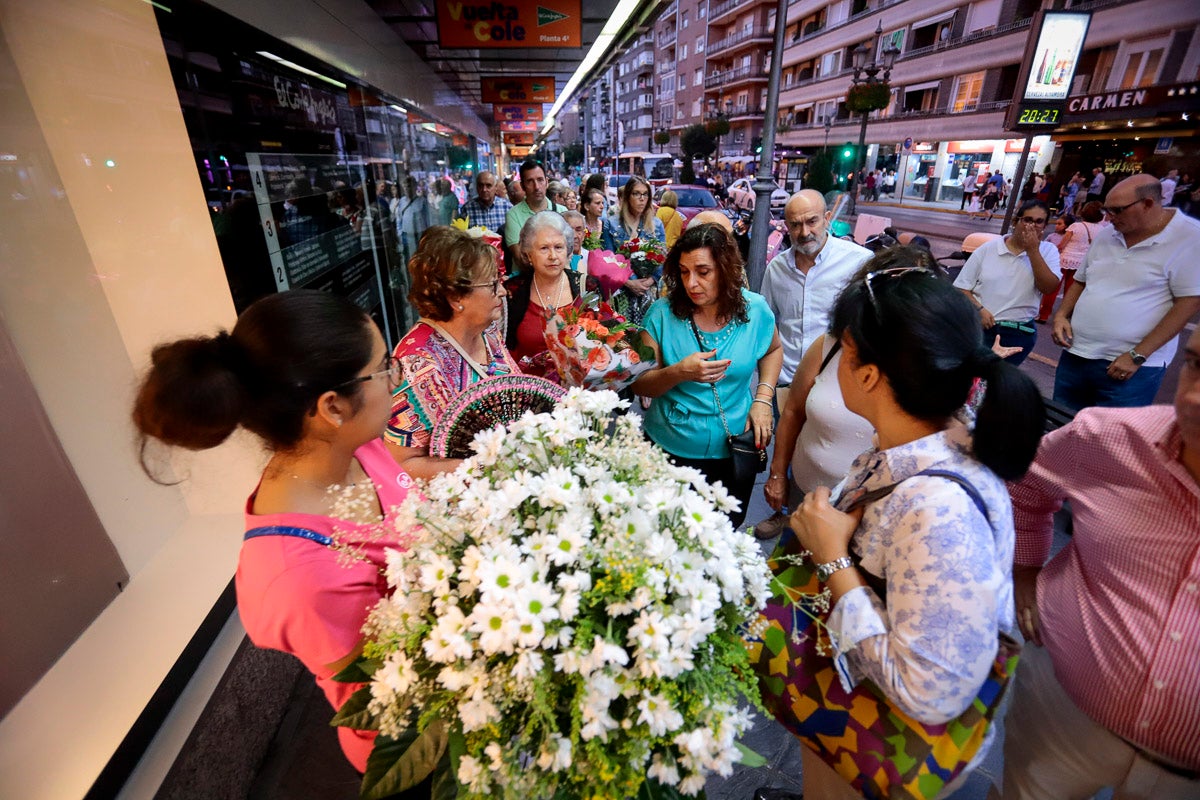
(827, 569)
(1137, 357)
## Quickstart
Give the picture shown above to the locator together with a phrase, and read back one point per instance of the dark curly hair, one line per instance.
(445, 265)
(731, 277)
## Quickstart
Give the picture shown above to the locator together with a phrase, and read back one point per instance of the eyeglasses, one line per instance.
(639, 194)
(891, 272)
(1114, 211)
(392, 370)
(1033, 221)
(495, 284)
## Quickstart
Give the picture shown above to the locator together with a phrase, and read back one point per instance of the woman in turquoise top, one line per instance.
(707, 301)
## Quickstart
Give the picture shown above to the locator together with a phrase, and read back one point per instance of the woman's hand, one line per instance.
(762, 420)
(639, 286)
(1002, 351)
(775, 490)
(822, 529)
(703, 368)
(1025, 597)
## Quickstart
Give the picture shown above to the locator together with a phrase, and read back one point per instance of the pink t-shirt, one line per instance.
(295, 596)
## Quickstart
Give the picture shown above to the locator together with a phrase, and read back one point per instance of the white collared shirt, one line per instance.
(1003, 280)
(802, 302)
(1130, 289)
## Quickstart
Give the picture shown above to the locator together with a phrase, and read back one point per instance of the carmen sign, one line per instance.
(477, 24)
(516, 90)
(1151, 101)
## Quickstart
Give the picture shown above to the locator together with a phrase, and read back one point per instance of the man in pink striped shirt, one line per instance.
(1108, 693)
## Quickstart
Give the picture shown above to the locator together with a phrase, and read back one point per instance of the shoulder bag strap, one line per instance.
(713, 386)
(475, 365)
(288, 530)
(833, 351)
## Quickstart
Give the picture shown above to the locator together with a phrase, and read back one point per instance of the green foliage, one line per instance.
(696, 141)
(820, 173)
(717, 127)
(399, 764)
(866, 97)
(354, 714)
(653, 790)
(662, 137)
(573, 154)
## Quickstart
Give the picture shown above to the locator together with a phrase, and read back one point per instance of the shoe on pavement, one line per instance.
(770, 527)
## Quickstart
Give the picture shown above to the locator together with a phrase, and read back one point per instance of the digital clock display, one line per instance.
(1039, 116)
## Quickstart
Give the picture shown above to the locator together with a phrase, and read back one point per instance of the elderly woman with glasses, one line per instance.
(634, 218)
(547, 243)
(457, 290)
(915, 545)
(1006, 278)
(711, 337)
(310, 375)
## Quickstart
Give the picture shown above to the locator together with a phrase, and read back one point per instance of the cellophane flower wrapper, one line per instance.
(488, 235)
(646, 256)
(569, 612)
(595, 348)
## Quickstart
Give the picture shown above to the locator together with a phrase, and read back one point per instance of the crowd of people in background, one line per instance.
(883, 375)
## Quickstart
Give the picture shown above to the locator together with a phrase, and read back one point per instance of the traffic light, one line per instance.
(848, 152)
(756, 144)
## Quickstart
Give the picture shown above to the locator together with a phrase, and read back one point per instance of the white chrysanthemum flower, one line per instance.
(447, 641)
(663, 770)
(657, 712)
(436, 570)
(565, 546)
(471, 774)
(692, 785)
(477, 713)
(497, 627)
(394, 677)
(555, 755)
(487, 445)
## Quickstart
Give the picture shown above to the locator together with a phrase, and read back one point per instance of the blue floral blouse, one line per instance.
(948, 573)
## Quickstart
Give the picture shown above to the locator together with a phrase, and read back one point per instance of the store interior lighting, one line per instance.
(300, 69)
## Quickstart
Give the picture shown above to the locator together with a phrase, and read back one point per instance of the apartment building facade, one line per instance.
(957, 72)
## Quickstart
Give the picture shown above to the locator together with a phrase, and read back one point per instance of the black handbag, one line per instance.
(748, 460)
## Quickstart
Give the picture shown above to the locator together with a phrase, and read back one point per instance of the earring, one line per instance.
(460, 307)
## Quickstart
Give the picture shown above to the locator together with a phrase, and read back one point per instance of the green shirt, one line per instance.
(518, 215)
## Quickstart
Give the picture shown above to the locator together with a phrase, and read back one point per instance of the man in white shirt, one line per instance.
(1169, 183)
(1096, 187)
(1135, 290)
(1005, 278)
(801, 285)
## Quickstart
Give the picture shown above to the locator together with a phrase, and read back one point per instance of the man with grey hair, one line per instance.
(486, 208)
(1138, 285)
(801, 285)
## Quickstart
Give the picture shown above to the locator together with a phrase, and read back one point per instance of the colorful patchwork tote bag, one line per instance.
(881, 751)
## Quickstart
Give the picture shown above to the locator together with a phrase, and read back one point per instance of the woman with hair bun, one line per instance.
(919, 565)
(308, 373)
(458, 291)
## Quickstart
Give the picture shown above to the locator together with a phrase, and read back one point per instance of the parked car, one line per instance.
(741, 195)
(692, 199)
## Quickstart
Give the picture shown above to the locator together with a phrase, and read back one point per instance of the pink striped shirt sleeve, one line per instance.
(1120, 604)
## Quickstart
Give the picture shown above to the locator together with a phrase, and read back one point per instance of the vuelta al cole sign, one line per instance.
(477, 24)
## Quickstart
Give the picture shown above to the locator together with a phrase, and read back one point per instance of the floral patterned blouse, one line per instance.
(930, 644)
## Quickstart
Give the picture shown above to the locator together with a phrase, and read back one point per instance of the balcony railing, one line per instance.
(668, 38)
(760, 32)
(730, 76)
(722, 9)
(969, 38)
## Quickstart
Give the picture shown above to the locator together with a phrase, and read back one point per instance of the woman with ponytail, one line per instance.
(309, 374)
(916, 545)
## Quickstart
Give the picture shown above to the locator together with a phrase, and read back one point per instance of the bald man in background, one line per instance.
(711, 218)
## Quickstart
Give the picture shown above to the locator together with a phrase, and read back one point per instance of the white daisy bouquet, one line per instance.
(566, 624)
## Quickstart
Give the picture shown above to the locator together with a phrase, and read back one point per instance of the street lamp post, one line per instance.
(715, 115)
(828, 125)
(866, 74)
